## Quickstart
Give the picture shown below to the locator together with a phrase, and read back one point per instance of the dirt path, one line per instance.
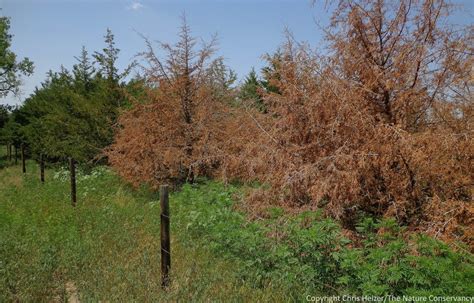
(71, 290)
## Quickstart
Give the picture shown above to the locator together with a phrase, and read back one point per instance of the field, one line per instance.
(107, 248)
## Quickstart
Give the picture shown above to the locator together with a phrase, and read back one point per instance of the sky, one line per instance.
(52, 32)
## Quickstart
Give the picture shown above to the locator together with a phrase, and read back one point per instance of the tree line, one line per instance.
(379, 124)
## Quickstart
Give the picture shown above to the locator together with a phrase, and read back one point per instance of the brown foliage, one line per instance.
(382, 125)
(176, 133)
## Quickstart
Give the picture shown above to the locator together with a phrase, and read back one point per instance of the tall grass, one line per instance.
(107, 248)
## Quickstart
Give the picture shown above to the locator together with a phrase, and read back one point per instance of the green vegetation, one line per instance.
(370, 131)
(10, 68)
(107, 248)
(73, 112)
(250, 90)
(307, 254)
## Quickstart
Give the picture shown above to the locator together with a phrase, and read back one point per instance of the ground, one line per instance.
(107, 248)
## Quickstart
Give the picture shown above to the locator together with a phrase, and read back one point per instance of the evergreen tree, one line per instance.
(221, 79)
(249, 91)
(271, 72)
(73, 113)
(84, 72)
(107, 59)
(65, 121)
(4, 117)
(13, 131)
(4, 113)
(108, 70)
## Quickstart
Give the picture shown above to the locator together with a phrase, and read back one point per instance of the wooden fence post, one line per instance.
(42, 168)
(9, 152)
(72, 171)
(165, 237)
(23, 160)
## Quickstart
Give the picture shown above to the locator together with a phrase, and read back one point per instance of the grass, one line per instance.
(107, 248)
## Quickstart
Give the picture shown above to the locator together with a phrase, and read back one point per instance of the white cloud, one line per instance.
(135, 6)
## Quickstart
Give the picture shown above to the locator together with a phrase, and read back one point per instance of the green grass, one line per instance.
(107, 248)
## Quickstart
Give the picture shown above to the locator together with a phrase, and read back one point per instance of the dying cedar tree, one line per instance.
(177, 132)
(381, 124)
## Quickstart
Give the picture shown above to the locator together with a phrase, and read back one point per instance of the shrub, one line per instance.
(306, 253)
(372, 126)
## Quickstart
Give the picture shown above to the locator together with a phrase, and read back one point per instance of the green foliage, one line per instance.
(12, 131)
(308, 254)
(4, 113)
(108, 57)
(4, 117)
(221, 80)
(68, 118)
(388, 264)
(107, 247)
(249, 91)
(253, 88)
(10, 68)
(271, 72)
(73, 113)
(84, 73)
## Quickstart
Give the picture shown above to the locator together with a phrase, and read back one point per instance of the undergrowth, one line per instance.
(307, 253)
(108, 247)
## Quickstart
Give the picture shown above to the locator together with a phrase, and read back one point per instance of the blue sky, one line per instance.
(52, 32)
